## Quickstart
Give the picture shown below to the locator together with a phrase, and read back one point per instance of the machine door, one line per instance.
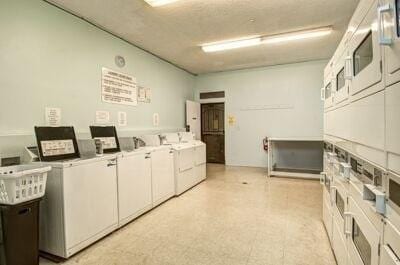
(366, 56)
(390, 251)
(389, 27)
(134, 185)
(186, 159)
(342, 76)
(364, 239)
(339, 205)
(328, 94)
(90, 200)
(339, 244)
(327, 213)
(200, 155)
(163, 178)
(392, 110)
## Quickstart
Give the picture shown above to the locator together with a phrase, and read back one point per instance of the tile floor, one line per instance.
(222, 221)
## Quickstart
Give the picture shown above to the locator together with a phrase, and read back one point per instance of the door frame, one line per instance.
(208, 102)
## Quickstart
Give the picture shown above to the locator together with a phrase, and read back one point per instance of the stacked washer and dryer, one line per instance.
(361, 202)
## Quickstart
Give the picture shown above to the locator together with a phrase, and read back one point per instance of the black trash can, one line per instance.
(19, 234)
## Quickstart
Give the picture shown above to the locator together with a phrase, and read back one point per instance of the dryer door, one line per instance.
(366, 56)
(364, 239)
(389, 38)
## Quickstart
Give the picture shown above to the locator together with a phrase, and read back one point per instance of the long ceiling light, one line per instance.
(279, 38)
(299, 35)
(231, 44)
(155, 3)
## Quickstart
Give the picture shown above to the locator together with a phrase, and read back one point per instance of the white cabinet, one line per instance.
(389, 33)
(162, 171)
(365, 53)
(392, 111)
(134, 186)
(80, 205)
(364, 239)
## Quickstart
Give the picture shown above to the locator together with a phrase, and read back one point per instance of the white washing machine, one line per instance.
(162, 168)
(134, 185)
(80, 205)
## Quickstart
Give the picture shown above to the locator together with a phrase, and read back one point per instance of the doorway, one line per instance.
(213, 131)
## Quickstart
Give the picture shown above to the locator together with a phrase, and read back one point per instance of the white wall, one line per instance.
(51, 58)
(278, 101)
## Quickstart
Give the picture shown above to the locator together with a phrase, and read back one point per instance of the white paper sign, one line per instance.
(102, 117)
(122, 118)
(141, 94)
(148, 95)
(156, 119)
(118, 88)
(53, 116)
(57, 147)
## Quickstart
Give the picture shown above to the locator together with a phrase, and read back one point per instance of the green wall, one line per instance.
(49, 58)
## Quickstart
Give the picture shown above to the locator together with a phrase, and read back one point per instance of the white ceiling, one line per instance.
(174, 32)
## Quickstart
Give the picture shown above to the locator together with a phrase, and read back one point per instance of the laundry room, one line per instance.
(179, 132)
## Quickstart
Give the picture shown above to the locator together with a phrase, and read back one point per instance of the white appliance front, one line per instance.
(342, 75)
(364, 239)
(390, 251)
(389, 38)
(134, 185)
(163, 178)
(367, 118)
(90, 202)
(365, 53)
(392, 110)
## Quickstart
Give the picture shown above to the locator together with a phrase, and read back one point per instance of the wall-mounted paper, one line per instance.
(118, 88)
(102, 117)
(148, 95)
(122, 118)
(231, 120)
(53, 116)
(141, 94)
(156, 119)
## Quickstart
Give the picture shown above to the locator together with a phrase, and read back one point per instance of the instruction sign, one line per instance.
(57, 147)
(102, 117)
(118, 88)
(122, 118)
(53, 116)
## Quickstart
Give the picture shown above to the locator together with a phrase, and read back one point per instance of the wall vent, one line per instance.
(209, 95)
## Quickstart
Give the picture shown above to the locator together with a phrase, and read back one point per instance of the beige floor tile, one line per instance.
(222, 221)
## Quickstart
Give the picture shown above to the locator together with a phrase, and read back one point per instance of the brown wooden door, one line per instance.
(213, 131)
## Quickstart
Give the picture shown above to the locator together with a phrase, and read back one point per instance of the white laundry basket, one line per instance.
(22, 183)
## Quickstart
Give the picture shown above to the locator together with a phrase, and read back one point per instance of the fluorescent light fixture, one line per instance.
(257, 40)
(155, 3)
(299, 35)
(231, 44)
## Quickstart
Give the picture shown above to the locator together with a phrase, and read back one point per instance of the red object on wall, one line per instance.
(265, 143)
